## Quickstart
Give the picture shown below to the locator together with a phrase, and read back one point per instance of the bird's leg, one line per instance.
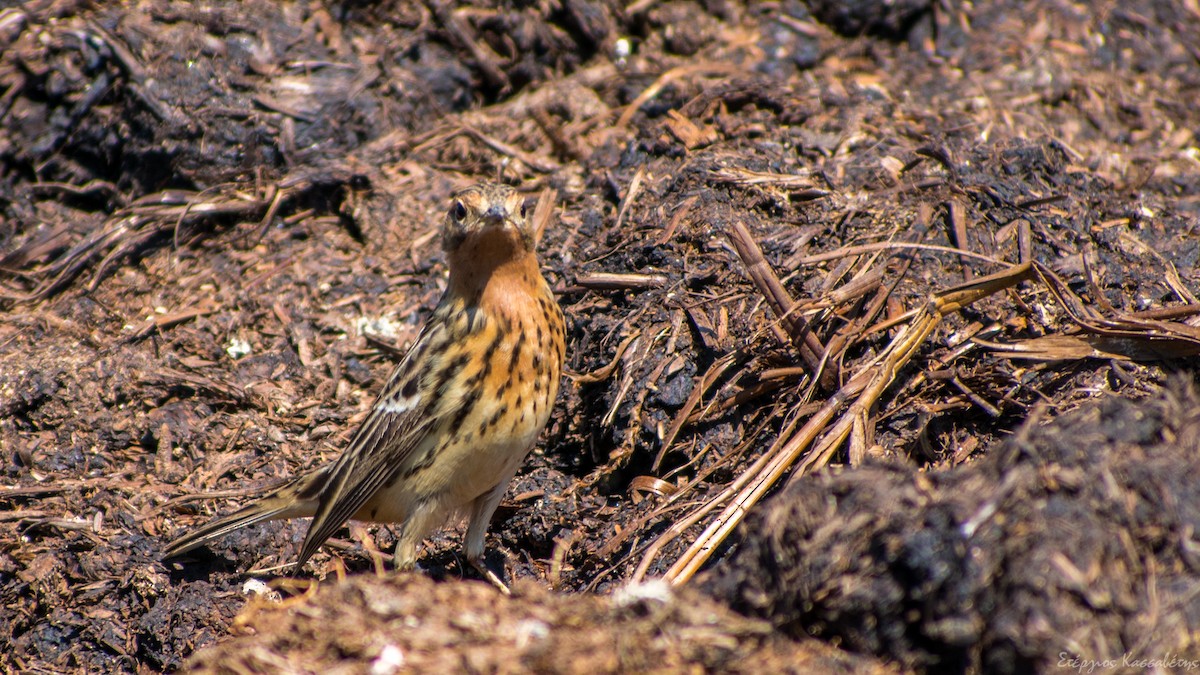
(422, 520)
(481, 514)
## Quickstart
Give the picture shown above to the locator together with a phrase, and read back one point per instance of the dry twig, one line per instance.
(864, 389)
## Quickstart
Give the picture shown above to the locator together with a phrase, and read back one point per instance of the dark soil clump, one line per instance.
(1076, 536)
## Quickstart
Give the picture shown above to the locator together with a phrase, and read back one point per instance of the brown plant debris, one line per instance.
(408, 623)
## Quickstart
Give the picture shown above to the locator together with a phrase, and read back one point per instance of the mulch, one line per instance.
(813, 259)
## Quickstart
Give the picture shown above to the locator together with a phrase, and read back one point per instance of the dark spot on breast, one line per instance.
(425, 461)
(467, 405)
(519, 344)
(493, 346)
(451, 369)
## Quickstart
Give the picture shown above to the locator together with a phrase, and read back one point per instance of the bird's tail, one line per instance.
(297, 499)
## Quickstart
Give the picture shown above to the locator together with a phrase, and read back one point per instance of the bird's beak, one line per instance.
(496, 214)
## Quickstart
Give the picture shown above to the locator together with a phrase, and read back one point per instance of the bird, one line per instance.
(458, 414)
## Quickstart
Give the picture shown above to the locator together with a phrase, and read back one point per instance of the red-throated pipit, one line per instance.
(460, 412)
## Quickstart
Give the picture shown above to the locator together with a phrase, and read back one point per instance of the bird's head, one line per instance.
(487, 216)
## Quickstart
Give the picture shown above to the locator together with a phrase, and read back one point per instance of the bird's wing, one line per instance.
(399, 421)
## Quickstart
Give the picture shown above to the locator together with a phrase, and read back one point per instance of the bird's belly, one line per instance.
(463, 470)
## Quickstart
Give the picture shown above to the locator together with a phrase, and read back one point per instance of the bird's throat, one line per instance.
(492, 261)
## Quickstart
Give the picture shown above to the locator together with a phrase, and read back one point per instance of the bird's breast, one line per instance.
(492, 390)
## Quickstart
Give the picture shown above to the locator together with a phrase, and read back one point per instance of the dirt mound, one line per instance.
(1075, 537)
(412, 624)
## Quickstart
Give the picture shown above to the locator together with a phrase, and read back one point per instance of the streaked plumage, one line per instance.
(461, 410)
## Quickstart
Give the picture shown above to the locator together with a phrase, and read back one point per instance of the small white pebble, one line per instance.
(657, 590)
(390, 659)
(255, 587)
(621, 51)
(378, 327)
(238, 348)
(530, 631)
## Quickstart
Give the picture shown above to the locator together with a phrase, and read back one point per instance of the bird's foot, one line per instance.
(481, 567)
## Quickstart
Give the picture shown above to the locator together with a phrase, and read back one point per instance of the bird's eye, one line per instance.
(524, 209)
(458, 211)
